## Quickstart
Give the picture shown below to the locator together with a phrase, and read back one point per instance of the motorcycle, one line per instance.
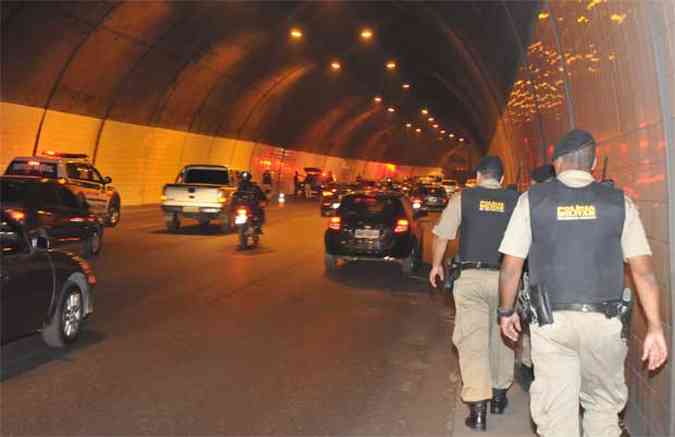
(247, 228)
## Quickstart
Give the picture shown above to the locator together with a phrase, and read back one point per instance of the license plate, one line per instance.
(369, 234)
(190, 209)
(432, 199)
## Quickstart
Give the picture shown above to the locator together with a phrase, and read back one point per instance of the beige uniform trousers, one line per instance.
(485, 361)
(578, 358)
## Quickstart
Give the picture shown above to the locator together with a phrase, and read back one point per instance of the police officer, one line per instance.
(578, 233)
(541, 174)
(258, 198)
(481, 214)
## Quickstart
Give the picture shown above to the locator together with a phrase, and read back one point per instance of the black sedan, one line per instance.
(331, 196)
(373, 226)
(42, 290)
(49, 209)
(427, 198)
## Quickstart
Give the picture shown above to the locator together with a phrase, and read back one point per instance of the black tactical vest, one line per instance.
(485, 215)
(576, 249)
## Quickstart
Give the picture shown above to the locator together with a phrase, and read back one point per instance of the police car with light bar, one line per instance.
(76, 172)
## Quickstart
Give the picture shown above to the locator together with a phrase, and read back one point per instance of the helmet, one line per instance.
(245, 176)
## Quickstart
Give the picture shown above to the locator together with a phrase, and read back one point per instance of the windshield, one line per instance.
(207, 176)
(371, 206)
(32, 168)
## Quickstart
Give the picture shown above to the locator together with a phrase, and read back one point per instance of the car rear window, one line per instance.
(21, 167)
(368, 206)
(207, 176)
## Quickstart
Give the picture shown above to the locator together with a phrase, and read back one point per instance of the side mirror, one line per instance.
(107, 180)
(41, 242)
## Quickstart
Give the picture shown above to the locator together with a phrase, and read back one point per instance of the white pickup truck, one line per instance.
(201, 193)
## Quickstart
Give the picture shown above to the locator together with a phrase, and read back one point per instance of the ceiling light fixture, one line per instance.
(377, 99)
(461, 140)
(296, 33)
(366, 34)
(424, 111)
(335, 65)
(435, 126)
(418, 130)
(408, 125)
(430, 119)
(452, 135)
(391, 109)
(391, 65)
(443, 131)
(405, 86)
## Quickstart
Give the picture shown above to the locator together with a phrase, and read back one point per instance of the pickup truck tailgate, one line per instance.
(192, 194)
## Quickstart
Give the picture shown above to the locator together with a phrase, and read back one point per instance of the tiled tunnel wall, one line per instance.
(616, 60)
(141, 159)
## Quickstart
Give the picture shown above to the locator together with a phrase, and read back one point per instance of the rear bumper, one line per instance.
(338, 245)
(197, 213)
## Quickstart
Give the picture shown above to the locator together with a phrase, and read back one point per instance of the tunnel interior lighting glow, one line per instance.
(430, 119)
(391, 65)
(296, 33)
(366, 34)
(377, 99)
(391, 109)
(405, 86)
(418, 130)
(452, 135)
(424, 111)
(443, 131)
(336, 66)
(408, 125)
(461, 140)
(435, 126)
(544, 15)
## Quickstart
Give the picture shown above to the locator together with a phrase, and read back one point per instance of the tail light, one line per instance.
(222, 196)
(402, 225)
(334, 223)
(242, 216)
(416, 203)
(326, 193)
(17, 215)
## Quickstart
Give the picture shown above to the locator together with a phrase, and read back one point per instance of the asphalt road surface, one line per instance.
(192, 336)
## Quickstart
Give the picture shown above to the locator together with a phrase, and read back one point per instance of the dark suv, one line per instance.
(426, 198)
(373, 226)
(49, 209)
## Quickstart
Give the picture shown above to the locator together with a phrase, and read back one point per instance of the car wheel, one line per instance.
(243, 237)
(64, 326)
(330, 261)
(172, 223)
(94, 243)
(226, 226)
(114, 213)
(204, 225)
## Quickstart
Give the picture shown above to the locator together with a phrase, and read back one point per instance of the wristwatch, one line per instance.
(501, 312)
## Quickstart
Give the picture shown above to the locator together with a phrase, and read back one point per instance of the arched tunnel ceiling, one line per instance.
(230, 69)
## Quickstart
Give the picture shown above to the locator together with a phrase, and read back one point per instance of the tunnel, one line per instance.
(370, 89)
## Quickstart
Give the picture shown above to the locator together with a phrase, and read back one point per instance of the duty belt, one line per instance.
(480, 266)
(609, 308)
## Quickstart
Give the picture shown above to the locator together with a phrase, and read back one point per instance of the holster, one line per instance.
(454, 271)
(626, 312)
(540, 304)
(523, 303)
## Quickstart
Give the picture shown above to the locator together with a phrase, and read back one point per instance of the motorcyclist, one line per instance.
(249, 193)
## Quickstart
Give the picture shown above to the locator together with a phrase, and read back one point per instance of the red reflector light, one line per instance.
(402, 225)
(334, 223)
(16, 215)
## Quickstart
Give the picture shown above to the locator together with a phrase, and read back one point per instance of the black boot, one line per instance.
(499, 401)
(477, 415)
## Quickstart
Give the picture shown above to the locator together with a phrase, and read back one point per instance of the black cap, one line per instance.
(490, 162)
(574, 140)
(543, 173)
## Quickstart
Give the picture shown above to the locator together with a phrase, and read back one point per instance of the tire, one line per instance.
(65, 325)
(114, 213)
(226, 226)
(330, 261)
(204, 225)
(172, 223)
(94, 243)
(243, 237)
(408, 265)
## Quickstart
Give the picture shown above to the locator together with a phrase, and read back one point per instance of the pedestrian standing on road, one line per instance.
(296, 183)
(481, 215)
(578, 233)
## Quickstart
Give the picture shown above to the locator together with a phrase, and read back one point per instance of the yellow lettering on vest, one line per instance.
(577, 212)
(491, 206)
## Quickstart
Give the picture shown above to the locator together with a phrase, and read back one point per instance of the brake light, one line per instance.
(242, 212)
(402, 225)
(326, 193)
(16, 215)
(334, 223)
(34, 163)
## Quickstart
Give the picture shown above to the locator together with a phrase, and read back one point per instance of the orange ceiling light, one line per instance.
(390, 65)
(336, 66)
(443, 131)
(418, 130)
(377, 99)
(461, 140)
(408, 125)
(295, 33)
(366, 34)
(452, 135)
(405, 86)
(430, 119)
(391, 109)
(424, 111)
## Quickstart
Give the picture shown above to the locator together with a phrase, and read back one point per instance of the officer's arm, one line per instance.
(509, 279)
